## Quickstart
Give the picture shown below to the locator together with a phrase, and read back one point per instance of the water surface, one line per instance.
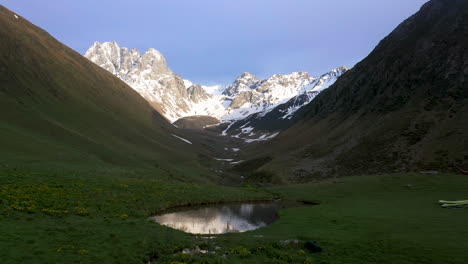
(224, 218)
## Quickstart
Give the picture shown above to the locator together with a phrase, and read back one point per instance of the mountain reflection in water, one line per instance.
(222, 218)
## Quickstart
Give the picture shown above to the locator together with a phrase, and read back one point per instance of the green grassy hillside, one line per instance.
(84, 160)
(56, 107)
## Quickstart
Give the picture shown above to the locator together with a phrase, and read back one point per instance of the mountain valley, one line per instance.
(95, 146)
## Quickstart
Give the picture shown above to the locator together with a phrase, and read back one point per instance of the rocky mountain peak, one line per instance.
(148, 74)
(122, 61)
(338, 71)
(284, 84)
(155, 56)
(106, 54)
(244, 82)
(175, 97)
(153, 63)
(247, 75)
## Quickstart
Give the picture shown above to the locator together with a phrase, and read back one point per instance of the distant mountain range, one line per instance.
(177, 98)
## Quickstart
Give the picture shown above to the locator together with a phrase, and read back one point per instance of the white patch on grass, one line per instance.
(213, 125)
(16, 16)
(223, 159)
(262, 138)
(183, 139)
(247, 130)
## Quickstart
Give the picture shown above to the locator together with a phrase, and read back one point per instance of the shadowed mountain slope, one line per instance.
(58, 107)
(402, 108)
(196, 122)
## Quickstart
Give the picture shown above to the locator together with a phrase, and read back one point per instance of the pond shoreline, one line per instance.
(194, 204)
(224, 217)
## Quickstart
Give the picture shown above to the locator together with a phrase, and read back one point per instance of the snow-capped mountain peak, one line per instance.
(243, 83)
(147, 73)
(175, 97)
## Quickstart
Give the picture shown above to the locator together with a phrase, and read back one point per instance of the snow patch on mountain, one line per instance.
(309, 92)
(262, 137)
(187, 83)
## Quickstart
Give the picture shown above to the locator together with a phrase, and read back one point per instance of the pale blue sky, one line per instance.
(214, 41)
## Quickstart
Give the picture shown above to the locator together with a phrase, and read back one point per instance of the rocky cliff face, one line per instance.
(197, 94)
(175, 97)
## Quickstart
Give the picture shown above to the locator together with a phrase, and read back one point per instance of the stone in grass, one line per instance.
(312, 246)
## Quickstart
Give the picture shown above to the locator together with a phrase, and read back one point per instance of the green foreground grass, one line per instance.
(97, 219)
(100, 216)
(366, 219)
(374, 219)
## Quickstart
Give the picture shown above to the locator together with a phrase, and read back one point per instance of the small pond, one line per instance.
(223, 218)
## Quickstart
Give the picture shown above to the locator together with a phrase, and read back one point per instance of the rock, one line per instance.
(243, 98)
(197, 93)
(312, 246)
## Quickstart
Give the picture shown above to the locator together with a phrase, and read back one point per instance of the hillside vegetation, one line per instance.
(403, 108)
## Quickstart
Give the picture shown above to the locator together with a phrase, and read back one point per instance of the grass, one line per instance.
(96, 216)
(366, 219)
(251, 165)
(102, 216)
(386, 219)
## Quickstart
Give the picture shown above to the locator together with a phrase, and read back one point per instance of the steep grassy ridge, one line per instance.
(58, 107)
(403, 108)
